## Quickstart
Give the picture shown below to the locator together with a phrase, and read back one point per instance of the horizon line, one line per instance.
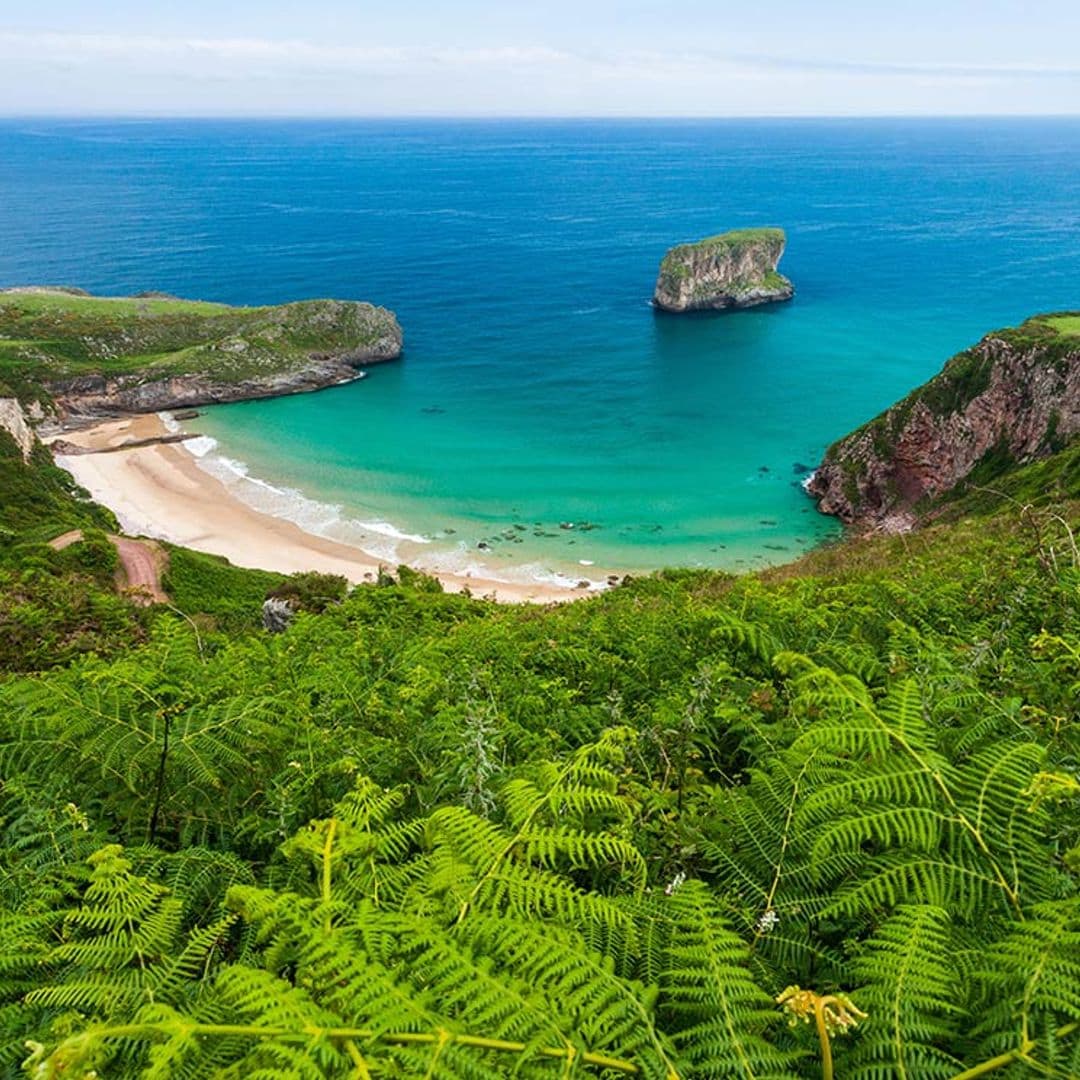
(491, 117)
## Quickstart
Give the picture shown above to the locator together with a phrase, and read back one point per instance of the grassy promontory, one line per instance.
(61, 345)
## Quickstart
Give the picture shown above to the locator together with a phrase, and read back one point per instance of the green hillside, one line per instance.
(46, 335)
(823, 821)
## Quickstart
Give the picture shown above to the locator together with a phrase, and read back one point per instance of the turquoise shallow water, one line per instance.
(538, 386)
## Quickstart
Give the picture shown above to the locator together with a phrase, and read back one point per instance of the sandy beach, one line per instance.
(159, 491)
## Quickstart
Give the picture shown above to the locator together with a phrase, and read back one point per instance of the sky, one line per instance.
(545, 58)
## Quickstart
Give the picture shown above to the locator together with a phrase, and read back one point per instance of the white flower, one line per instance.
(674, 883)
(768, 921)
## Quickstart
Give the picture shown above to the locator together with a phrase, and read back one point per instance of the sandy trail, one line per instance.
(141, 563)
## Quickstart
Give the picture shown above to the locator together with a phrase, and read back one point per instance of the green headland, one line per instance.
(54, 344)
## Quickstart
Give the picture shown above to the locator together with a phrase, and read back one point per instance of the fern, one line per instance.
(420, 836)
(910, 994)
(720, 1016)
(1030, 984)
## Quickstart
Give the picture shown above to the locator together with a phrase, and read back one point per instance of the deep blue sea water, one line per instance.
(538, 385)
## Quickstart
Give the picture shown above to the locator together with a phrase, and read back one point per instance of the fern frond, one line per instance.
(1031, 977)
(910, 991)
(720, 1016)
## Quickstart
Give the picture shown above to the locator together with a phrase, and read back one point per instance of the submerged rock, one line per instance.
(733, 270)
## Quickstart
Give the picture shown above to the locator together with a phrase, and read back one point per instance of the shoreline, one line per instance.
(157, 488)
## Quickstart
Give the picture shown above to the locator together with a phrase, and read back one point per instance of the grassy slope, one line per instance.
(38, 500)
(1065, 325)
(50, 335)
(55, 605)
(402, 684)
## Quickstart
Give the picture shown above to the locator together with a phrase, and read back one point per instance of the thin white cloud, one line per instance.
(950, 70)
(287, 52)
(299, 54)
(109, 73)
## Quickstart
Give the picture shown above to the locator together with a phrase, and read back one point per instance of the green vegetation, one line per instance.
(1064, 325)
(222, 595)
(740, 239)
(46, 336)
(1062, 328)
(734, 242)
(40, 500)
(55, 605)
(818, 822)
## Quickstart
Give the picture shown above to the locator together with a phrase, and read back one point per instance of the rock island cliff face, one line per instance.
(1012, 398)
(733, 270)
(91, 356)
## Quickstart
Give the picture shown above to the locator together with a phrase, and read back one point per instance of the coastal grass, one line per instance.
(48, 336)
(1065, 325)
(119, 307)
(742, 238)
(734, 242)
(1056, 332)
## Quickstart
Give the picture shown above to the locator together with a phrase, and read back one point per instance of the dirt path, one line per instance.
(58, 543)
(141, 563)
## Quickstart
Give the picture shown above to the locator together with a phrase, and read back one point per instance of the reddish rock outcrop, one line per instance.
(1012, 398)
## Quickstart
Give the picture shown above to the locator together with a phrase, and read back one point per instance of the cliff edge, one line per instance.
(1013, 397)
(79, 355)
(733, 270)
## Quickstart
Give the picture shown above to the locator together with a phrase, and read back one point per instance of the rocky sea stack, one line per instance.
(1010, 399)
(77, 355)
(733, 270)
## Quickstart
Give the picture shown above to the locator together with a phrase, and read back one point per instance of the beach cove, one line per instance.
(538, 387)
(158, 490)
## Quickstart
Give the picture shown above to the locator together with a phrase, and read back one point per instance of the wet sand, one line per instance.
(158, 490)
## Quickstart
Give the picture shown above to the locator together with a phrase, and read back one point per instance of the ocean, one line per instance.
(542, 408)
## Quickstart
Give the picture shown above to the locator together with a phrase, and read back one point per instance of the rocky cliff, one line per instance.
(13, 421)
(734, 270)
(92, 356)
(1013, 397)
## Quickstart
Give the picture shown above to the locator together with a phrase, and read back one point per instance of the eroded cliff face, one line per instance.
(99, 395)
(734, 270)
(13, 421)
(1012, 398)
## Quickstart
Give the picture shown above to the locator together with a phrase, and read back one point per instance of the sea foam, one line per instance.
(377, 539)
